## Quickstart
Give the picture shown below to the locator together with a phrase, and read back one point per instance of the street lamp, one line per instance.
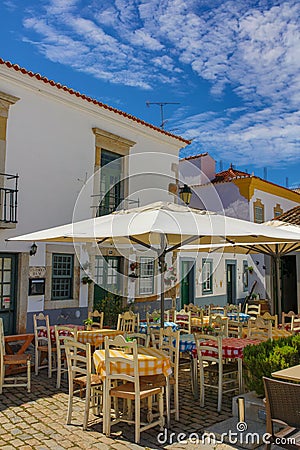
(185, 194)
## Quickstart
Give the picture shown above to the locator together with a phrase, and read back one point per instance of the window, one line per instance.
(259, 211)
(111, 186)
(277, 210)
(245, 275)
(207, 277)
(62, 276)
(146, 284)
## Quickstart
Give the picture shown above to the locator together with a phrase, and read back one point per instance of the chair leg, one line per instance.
(161, 410)
(58, 378)
(87, 407)
(70, 400)
(201, 376)
(36, 362)
(220, 392)
(137, 420)
(168, 402)
(2, 370)
(29, 375)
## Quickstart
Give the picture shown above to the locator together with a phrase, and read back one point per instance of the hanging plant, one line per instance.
(86, 280)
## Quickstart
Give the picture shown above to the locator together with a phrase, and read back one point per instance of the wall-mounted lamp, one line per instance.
(33, 249)
(185, 194)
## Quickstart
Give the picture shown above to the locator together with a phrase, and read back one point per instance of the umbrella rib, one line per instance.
(137, 241)
(185, 242)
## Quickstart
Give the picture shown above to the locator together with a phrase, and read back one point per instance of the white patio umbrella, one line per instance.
(162, 227)
(274, 249)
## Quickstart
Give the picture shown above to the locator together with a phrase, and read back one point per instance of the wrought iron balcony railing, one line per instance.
(8, 198)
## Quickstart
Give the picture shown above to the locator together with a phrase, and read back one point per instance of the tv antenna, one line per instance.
(161, 105)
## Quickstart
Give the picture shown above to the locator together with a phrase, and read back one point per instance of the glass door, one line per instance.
(8, 283)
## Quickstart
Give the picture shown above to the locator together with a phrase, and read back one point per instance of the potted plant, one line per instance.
(88, 324)
(250, 269)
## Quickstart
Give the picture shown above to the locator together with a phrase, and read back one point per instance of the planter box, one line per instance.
(254, 407)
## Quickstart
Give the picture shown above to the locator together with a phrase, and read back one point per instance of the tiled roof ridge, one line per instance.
(194, 156)
(230, 174)
(39, 77)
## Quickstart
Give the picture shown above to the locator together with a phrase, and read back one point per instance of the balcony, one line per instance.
(112, 201)
(8, 200)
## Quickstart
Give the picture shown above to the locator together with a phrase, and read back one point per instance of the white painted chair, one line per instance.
(259, 329)
(214, 368)
(13, 360)
(253, 311)
(128, 322)
(79, 361)
(61, 332)
(97, 318)
(44, 348)
(184, 320)
(131, 389)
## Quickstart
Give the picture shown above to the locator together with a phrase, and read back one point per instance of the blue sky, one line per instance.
(233, 67)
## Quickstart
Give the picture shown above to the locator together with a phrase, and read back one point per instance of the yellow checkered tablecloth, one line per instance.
(277, 333)
(150, 362)
(96, 337)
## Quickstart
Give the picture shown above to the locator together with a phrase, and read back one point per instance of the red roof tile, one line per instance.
(230, 174)
(89, 99)
(194, 156)
(291, 216)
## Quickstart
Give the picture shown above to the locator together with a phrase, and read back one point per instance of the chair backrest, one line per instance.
(260, 329)
(97, 318)
(112, 358)
(155, 337)
(273, 319)
(236, 309)
(152, 317)
(206, 352)
(183, 319)
(128, 322)
(235, 328)
(253, 310)
(282, 401)
(79, 360)
(61, 333)
(220, 325)
(286, 318)
(169, 342)
(143, 339)
(295, 324)
(41, 326)
(217, 310)
(169, 315)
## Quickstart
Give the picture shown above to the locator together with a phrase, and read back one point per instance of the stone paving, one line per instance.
(38, 421)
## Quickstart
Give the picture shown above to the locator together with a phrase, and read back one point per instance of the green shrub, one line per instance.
(267, 357)
(112, 305)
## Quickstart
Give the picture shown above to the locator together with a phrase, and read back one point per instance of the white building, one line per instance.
(217, 279)
(55, 139)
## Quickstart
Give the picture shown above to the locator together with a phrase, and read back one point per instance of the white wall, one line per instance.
(270, 201)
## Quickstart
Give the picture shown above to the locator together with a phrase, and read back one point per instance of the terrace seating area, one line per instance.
(141, 373)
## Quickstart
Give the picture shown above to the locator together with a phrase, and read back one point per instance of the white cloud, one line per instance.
(249, 47)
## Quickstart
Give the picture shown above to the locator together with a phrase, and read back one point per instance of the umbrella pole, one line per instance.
(161, 261)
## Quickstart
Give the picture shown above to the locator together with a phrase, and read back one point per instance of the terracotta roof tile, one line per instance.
(230, 174)
(89, 99)
(291, 216)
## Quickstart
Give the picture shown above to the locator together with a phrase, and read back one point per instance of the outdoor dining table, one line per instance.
(232, 348)
(156, 326)
(43, 333)
(17, 344)
(96, 337)
(151, 361)
(290, 374)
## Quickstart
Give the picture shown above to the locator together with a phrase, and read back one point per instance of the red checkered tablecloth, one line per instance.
(43, 333)
(231, 347)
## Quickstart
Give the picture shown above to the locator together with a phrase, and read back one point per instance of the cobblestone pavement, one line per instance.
(38, 420)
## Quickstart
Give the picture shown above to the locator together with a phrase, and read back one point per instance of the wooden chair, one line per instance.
(282, 407)
(23, 360)
(143, 339)
(217, 310)
(99, 318)
(286, 319)
(220, 325)
(131, 389)
(168, 342)
(214, 372)
(170, 315)
(253, 310)
(44, 348)
(155, 337)
(259, 329)
(79, 361)
(61, 332)
(184, 320)
(151, 318)
(295, 324)
(235, 328)
(128, 322)
(273, 319)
